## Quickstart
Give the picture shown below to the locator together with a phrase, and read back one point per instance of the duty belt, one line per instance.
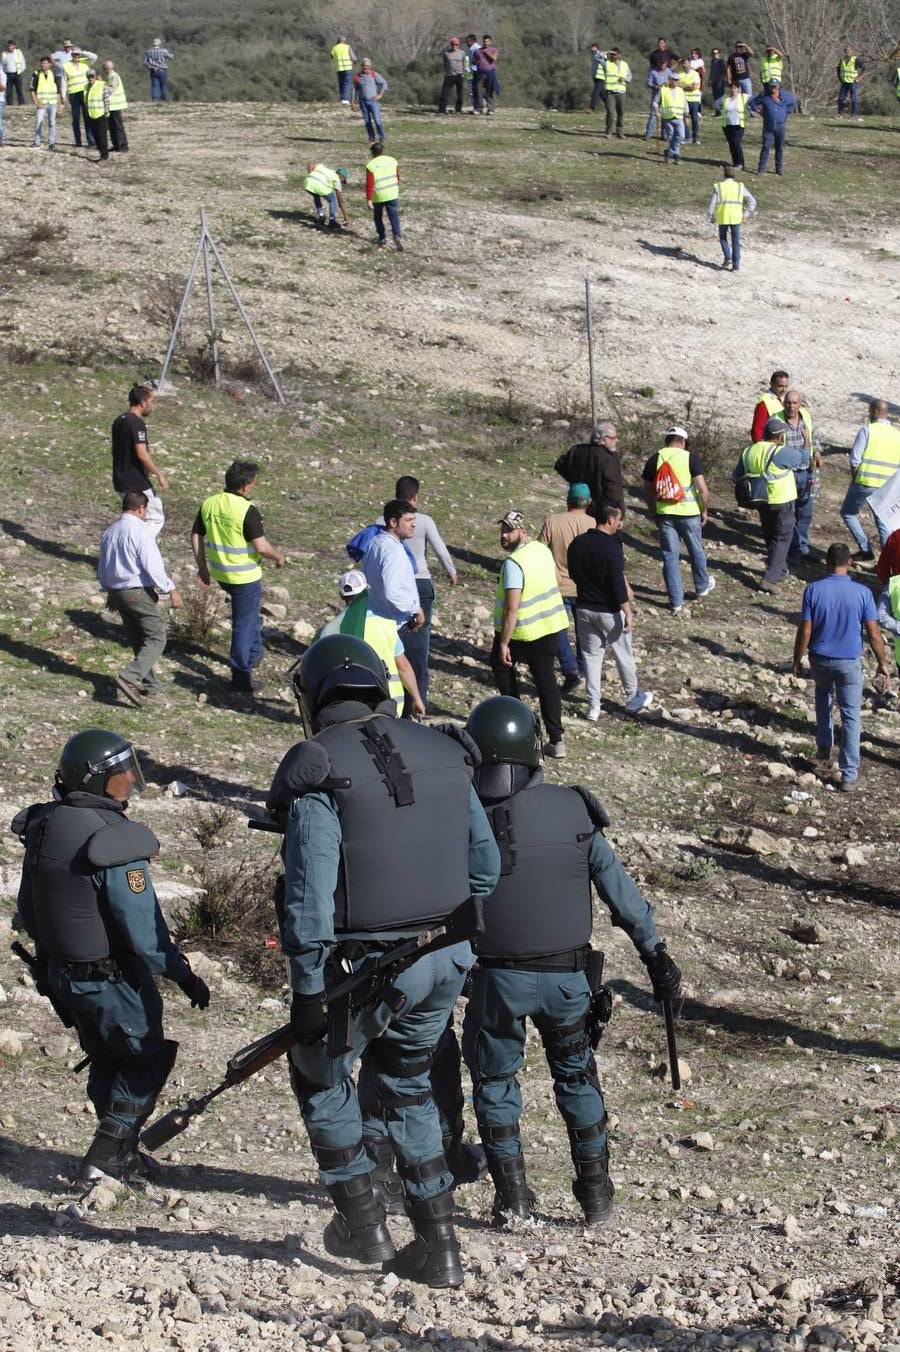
(573, 961)
(105, 969)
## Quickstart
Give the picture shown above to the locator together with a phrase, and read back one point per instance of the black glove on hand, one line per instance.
(196, 990)
(664, 975)
(308, 1018)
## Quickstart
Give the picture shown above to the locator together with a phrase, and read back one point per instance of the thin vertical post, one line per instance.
(590, 338)
(210, 302)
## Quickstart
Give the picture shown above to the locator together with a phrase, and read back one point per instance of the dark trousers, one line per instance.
(778, 529)
(617, 101)
(451, 82)
(539, 656)
(598, 95)
(14, 86)
(775, 138)
(117, 131)
(393, 211)
(416, 642)
(100, 128)
(246, 635)
(735, 138)
(79, 115)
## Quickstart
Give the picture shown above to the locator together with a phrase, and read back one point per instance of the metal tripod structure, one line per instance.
(208, 251)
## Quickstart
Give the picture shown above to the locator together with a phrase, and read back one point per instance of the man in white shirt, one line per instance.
(389, 573)
(131, 570)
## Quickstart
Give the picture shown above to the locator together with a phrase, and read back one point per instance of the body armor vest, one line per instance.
(542, 903)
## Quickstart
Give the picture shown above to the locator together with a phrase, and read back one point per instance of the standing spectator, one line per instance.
(598, 78)
(488, 56)
(661, 57)
(557, 533)
(673, 111)
(771, 65)
(14, 69)
(383, 194)
(229, 546)
(370, 86)
(836, 611)
(62, 54)
(603, 617)
(116, 103)
(156, 59)
(874, 457)
(738, 68)
(769, 404)
(726, 210)
(597, 464)
(95, 106)
(618, 78)
(324, 185)
(776, 105)
(528, 615)
(132, 461)
(473, 47)
(801, 435)
(849, 69)
(75, 72)
(2, 102)
(716, 78)
(131, 570)
(773, 460)
(734, 120)
(455, 62)
(46, 95)
(425, 536)
(692, 84)
(342, 58)
(390, 571)
(657, 80)
(680, 515)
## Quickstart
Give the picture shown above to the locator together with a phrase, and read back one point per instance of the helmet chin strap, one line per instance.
(496, 782)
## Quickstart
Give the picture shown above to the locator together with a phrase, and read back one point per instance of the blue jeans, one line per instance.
(159, 86)
(372, 119)
(673, 532)
(393, 212)
(331, 199)
(745, 86)
(570, 665)
(416, 642)
(651, 119)
(856, 498)
(327, 1095)
(345, 85)
(803, 513)
(841, 679)
(673, 131)
(246, 637)
(45, 112)
(847, 91)
(2, 111)
(769, 138)
(732, 255)
(694, 115)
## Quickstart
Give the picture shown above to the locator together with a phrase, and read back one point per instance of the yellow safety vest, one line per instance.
(770, 68)
(381, 634)
(45, 91)
(386, 187)
(774, 406)
(117, 98)
(743, 100)
(729, 201)
(321, 181)
(781, 486)
(897, 81)
(807, 422)
(881, 457)
(672, 103)
(95, 105)
(340, 55)
(894, 593)
(680, 461)
(849, 73)
(617, 73)
(541, 610)
(230, 558)
(690, 83)
(76, 75)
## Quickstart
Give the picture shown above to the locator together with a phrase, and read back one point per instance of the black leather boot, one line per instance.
(512, 1197)
(114, 1152)
(386, 1182)
(433, 1256)
(466, 1160)
(593, 1187)
(358, 1230)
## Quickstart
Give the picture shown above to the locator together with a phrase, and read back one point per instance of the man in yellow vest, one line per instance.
(116, 103)
(849, 69)
(95, 106)
(690, 82)
(383, 193)
(342, 58)
(380, 633)
(775, 461)
(726, 210)
(771, 65)
(874, 458)
(769, 404)
(324, 185)
(617, 79)
(46, 95)
(679, 519)
(75, 71)
(229, 545)
(672, 110)
(528, 615)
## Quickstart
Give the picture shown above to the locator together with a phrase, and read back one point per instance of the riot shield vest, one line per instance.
(67, 905)
(542, 903)
(404, 824)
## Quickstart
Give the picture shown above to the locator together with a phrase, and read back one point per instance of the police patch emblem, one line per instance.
(137, 880)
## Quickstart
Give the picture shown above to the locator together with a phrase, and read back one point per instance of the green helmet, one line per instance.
(505, 731)
(90, 757)
(334, 666)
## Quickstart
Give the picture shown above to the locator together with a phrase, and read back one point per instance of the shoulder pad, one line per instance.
(304, 769)
(459, 734)
(596, 811)
(121, 843)
(22, 820)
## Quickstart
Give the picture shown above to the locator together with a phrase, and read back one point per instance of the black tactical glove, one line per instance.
(196, 990)
(664, 975)
(309, 1020)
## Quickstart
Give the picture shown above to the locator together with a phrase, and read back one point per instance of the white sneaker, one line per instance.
(642, 700)
(706, 591)
(678, 610)
(593, 713)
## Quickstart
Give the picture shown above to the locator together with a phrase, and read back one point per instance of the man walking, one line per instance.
(836, 612)
(425, 536)
(455, 62)
(874, 458)
(132, 461)
(342, 58)
(679, 497)
(597, 464)
(116, 103)
(131, 571)
(774, 461)
(726, 209)
(557, 533)
(389, 568)
(229, 546)
(776, 105)
(528, 616)
(47, 97)
(383, 194)
(603, 616)
(156, 60)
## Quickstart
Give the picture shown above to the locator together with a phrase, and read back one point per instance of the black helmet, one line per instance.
(339, 664)
(90, 757)
(506, 732)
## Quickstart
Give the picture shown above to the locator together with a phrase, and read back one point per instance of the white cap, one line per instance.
(677, 432)
(352, 583)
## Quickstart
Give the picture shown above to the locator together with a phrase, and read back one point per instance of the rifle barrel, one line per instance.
(671, 1043)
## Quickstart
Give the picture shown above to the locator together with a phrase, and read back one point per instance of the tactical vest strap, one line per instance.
(501, 825)
(573, 961)
(390, 765)
(596, 811)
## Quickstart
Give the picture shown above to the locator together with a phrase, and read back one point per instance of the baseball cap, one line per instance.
(579, 493)
(157, 42)
(352, 583)
(774, 426)
(514, 520)
(343, 175)
(677, 432)
(773, 82)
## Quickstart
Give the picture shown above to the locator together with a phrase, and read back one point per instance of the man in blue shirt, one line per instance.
(390, 569)
(836, 611)
(775, 104)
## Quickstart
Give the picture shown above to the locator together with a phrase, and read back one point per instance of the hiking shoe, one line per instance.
(398, 245)
(555, 750)
(847, 785)
(131, 692)
(710, 587)
(823, 754)
(642, 700)
(866, 555)
(571, 682)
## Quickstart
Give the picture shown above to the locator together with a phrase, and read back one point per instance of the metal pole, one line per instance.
(210, 302)
(184, 300)
(246, 318)
(590, 338)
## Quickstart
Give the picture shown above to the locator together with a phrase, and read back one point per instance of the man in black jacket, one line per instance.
(596, 463)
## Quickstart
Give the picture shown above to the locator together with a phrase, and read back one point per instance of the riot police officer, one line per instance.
(384, 835)
(87, 900)
(533, 956)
